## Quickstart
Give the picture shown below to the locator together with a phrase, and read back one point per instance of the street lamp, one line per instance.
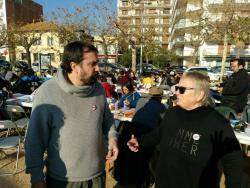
(141, 41)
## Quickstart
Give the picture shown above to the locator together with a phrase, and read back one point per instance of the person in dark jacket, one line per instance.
(123, 78)
(236, 87)
(193, 137)
(150, 111)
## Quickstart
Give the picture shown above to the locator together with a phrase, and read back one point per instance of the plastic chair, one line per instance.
(18, 115)
(10, 142)
(246, 114)
(227, 112)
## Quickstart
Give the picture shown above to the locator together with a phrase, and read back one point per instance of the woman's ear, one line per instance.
(200, 96)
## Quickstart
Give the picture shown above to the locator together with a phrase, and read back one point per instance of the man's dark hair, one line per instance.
(73, 52)
(240, 61)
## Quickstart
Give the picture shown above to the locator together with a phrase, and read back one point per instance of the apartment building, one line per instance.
(187, 31)
(140, 15)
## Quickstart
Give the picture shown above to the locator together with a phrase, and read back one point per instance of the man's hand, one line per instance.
(113, 150)
(133, 144)
(39, 184)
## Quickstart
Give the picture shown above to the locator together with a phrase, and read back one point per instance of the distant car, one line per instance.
(217, 69)
(21, 64)
(121, 66)
(177, 68)
(148, 69)
(4, 64)
(111, 67)
(206, 70)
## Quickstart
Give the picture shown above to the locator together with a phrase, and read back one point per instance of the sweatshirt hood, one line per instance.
(80, 91)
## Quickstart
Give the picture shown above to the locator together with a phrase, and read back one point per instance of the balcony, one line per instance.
(179, 52)
(243, 52)
(178, 41)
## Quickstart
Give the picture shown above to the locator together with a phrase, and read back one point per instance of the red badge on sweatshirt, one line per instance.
(94, 107)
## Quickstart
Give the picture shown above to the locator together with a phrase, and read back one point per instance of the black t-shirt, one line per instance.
(191, 145)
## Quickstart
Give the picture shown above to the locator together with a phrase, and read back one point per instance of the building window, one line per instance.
(137, 21)
(124, 12)
(61, 56)
(152, 11)
(38, 42)
(50, 41)
(215, 1)
(24, 56)
(151, 21)
(124, 21)
(242, 1)
(165, 38)
(124, 3)
(110, 49)
(166, 11)
(36, 57)
(165, 21)
(137, 11)
(52, 56)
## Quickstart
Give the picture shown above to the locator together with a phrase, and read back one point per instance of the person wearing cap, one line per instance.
(138, 172)
(150, 111)
(148, 116)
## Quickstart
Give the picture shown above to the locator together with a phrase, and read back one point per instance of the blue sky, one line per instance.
(52, 5)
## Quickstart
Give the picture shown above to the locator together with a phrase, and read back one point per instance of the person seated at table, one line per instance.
(150, 111)
(129, 97)
(148, 81)
(109, 89)
(193, 139)
(111, 78)
(27, 82)
(123, 78)
(48, 75)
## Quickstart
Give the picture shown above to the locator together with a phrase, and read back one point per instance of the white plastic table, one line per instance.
(243, 137)
(20, 99)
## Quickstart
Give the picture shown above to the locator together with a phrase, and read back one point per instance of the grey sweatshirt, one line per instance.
(71, 124)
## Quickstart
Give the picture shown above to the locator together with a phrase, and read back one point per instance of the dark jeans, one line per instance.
(98, 182)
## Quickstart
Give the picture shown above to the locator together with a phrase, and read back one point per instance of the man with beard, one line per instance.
(70, 120)
(236, 87)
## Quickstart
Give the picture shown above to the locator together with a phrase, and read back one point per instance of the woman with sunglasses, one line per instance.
(129, 97)
(193, 138)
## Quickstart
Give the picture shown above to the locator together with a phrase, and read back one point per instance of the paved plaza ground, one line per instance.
(21, 180)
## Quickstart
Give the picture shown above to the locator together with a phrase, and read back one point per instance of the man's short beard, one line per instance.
(91, 80)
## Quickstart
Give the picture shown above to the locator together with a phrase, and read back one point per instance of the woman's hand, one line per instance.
(133, 144)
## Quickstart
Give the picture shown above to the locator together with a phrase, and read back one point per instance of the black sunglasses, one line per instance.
(182, 89)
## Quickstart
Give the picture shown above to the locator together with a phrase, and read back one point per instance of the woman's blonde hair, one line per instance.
(201, 84)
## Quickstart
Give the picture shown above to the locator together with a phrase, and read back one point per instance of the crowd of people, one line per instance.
(171, 146)
(25, 81)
